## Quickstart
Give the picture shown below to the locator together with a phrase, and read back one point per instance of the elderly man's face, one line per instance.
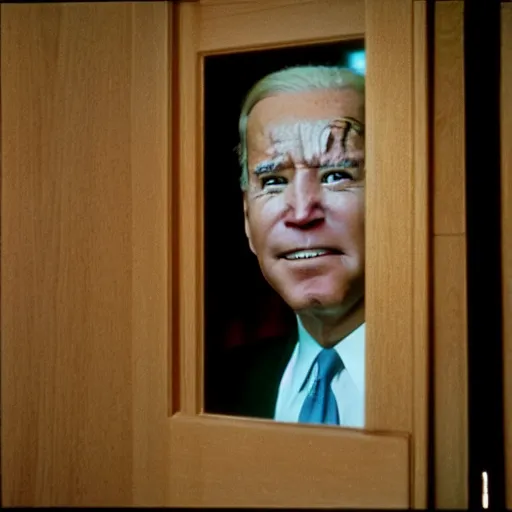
(304, 205)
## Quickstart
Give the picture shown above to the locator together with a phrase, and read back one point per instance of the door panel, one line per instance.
(256, 463)
(84, 308)
(102, 275)
(209, 452)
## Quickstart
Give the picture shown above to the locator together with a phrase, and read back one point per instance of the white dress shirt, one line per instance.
(347, 385)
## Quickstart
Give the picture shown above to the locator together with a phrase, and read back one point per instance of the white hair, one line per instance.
(294, 79)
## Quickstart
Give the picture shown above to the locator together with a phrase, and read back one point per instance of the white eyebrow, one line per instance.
(343, 163)
(268, 166)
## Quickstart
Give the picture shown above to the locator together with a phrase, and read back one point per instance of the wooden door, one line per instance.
(84, 117)
(275, 464)
(101, 277)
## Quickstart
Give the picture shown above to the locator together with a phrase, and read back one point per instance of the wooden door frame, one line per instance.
(397, 295)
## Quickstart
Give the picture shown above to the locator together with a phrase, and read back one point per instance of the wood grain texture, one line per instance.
(421, 262)
(209, 454)
(389, 215)
(449, 265)
(306, 467)
(85, 277)
(83, 252)
(249, 24)
(190, 214)
(450, 372)
(506, 227)
(149, 145)
(449, 153)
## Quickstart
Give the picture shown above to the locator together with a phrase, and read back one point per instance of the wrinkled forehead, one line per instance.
(345, 132)
(309, 141)
(304, 126)
(306, 105)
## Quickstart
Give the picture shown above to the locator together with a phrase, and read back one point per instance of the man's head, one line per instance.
(302, 157)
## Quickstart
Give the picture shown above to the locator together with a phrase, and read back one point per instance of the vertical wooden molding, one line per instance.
(389, 214)
(450, 372)
(149, 153)
(173, 339)
(449, 154)
(190, 303)
(421, 260)
(506, 226)
(449, 261)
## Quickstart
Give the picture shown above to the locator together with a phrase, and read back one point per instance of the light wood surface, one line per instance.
(449, 152)
(450, 373)
(389, 216)
(84, 138)
(207, 455)
(506, 212)
(421, 262)
(229, 462)
(149, 145)
(249, 24)
(101, 285)
(449, 262)
(188, 288)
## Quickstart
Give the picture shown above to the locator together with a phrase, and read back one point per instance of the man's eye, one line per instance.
(336, 177)
(273, 181)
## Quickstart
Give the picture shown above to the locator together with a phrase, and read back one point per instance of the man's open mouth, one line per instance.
(305, 254)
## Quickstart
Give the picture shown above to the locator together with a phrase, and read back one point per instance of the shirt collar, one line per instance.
(350, 349)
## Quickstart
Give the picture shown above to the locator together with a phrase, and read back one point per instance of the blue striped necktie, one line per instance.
(320, 405)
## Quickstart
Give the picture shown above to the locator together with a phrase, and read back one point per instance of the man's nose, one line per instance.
(305, 201)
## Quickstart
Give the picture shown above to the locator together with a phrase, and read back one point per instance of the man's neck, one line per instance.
(329, 329)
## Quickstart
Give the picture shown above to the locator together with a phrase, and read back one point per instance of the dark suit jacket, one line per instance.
(244, 381)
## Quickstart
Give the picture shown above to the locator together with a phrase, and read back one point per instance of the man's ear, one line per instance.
(246, 223)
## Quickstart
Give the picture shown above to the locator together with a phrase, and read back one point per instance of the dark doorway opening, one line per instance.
(240, 307)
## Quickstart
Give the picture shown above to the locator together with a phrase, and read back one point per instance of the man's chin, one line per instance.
(315, 302)
(323, 291)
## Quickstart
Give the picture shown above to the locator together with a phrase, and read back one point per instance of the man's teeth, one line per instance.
(302, 255)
